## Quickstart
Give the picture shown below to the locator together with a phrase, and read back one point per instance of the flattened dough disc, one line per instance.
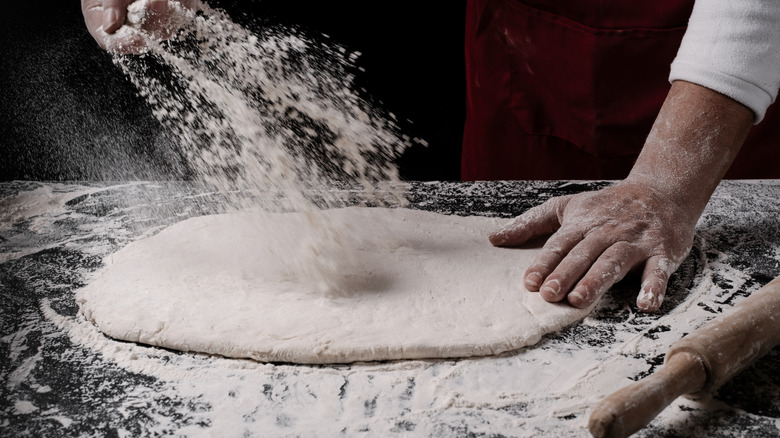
(423, 285)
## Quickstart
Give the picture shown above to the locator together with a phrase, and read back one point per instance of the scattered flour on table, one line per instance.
(25, 205)
(32, 212)
(541, 391)
(548, 390)
(24, 407)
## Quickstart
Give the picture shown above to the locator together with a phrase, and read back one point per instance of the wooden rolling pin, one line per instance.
(696, 365)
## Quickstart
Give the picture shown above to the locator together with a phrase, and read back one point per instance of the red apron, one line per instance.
(569, 89)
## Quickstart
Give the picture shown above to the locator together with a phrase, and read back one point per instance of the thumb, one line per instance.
(537, 221)
(114, 14)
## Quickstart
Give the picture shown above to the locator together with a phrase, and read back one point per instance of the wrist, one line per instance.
(693, 142)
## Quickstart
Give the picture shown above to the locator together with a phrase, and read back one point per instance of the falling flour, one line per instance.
(268, 112)
(263, 111)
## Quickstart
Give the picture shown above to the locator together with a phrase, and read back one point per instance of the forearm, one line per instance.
(733, 47)
(646, 220)
(694, 140)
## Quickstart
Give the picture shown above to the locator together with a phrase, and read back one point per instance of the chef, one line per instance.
(583, 89)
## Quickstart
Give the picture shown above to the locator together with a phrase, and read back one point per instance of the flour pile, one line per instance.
(273, 114)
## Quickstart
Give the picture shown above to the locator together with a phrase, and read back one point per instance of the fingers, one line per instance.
(537, 221)
(156, 19)
(157, 23)
(103, 18)
(555, 250)
(93, 18)
(114, 14)
(655, 278)
(599, 237)
(607, 270)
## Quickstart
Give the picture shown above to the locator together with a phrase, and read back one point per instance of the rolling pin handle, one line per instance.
(697, 364)
(634, 406)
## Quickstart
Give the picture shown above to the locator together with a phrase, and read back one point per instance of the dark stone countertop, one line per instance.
(60, 377)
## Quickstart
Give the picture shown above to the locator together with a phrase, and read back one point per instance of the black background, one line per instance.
(69, 114)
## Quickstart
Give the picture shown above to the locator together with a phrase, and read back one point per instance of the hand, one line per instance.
(104, 17)
(599, 237)
(647, 219)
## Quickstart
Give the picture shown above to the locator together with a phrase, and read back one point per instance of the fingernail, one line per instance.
(649, 302)
(576, 298)
(498, 238)
(552, 288)
(644, 296)
(110, 18)
(533, 280)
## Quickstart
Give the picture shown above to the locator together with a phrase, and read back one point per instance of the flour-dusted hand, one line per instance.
(105, 17)
(647, 219)
(598, 238)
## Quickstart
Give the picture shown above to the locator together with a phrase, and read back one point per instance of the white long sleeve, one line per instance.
(733, 47)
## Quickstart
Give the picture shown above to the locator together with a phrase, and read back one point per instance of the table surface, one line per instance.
(61, 377)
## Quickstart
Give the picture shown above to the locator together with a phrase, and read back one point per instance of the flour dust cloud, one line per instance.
(268, 112)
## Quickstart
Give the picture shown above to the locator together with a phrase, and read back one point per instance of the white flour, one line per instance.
(268, 112)
(33, 204)
(263, 111)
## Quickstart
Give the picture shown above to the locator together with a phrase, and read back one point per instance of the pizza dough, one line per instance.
(417, 285)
